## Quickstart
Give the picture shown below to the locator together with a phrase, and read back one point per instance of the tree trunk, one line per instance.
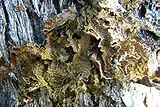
(106, 84)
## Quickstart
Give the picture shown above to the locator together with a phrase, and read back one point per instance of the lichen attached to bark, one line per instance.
(82, 51)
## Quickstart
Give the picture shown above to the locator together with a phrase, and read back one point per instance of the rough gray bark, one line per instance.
(22, 21)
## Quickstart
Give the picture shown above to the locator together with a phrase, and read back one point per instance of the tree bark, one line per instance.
(22, 22)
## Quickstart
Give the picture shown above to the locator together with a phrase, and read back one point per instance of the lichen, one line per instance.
(82, 51)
